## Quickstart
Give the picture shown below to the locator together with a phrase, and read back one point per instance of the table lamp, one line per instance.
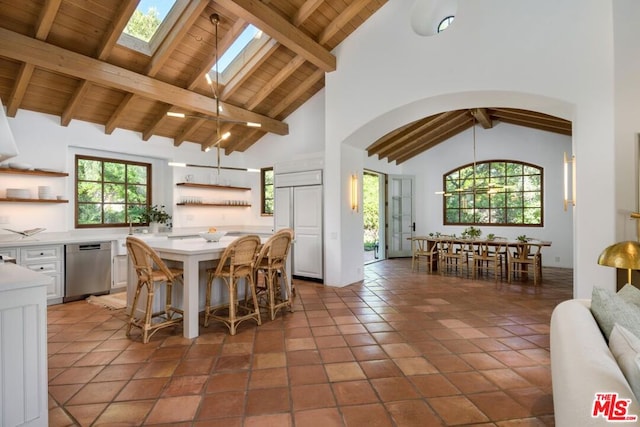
(624, 255)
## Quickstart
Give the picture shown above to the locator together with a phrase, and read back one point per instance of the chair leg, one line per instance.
(148, 313)
(134, 305)
(207, 303)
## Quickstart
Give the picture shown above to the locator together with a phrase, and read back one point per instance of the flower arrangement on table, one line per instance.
(471, 232)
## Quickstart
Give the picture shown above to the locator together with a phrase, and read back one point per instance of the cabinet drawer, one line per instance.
(10, 252)
(39, 253)
(44, 267)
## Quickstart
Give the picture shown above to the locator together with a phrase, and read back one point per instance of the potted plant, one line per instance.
(154, 216)
(522, 238)
(491, 236)
(472, 232)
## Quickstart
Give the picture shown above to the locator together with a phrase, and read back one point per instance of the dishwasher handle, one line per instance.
(89, 247)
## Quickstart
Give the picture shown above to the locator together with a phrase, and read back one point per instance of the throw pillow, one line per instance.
(630, 294)
(609, 308)
(625, 347)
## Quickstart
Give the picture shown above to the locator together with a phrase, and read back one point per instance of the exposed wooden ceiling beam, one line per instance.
(188, 131)
(166, 48)
(249, 68)
(272, 84)
(104, 50)
(343, 19)
(461, 121)
(305, 11)
(414, 131)
(435, 140)
(269, 21)
(540, 126)
(45, 20)
(156, 122)
(42, 28)
(482, 116)
(54, 58)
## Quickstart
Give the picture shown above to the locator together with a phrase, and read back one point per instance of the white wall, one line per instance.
(503, 141)
(547, 56)
(43, 143)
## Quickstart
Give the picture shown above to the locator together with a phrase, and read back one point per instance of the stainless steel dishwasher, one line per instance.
(87, 270)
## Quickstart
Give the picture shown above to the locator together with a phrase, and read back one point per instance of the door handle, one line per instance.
(413, 227)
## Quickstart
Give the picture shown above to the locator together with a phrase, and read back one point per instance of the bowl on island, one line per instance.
(212, 236)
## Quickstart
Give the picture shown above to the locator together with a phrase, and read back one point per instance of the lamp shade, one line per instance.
(621, 255)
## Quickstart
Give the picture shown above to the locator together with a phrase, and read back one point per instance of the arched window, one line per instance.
(497, 192)
(444, 24)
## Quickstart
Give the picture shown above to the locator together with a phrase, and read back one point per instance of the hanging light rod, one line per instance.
(231, 168)
(223, 137)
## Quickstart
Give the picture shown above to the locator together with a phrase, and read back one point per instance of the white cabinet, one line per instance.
(298, 205)
(119, 273)
(23, 347)
(45, 259)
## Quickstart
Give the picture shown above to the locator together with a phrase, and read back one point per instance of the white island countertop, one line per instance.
(13, 276)
(102, 235)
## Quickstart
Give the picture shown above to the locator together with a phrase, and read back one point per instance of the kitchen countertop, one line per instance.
(13, 276)
(101, 235)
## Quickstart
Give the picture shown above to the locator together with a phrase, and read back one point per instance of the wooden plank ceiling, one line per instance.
(415, 138)
(62, 57)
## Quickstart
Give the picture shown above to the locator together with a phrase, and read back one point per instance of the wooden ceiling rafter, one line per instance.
(45, 55)
(460, 126)
(104, 50)
(413, 132)
(270, 22)
(460, 121)
(80, 71)
(42, 29)
(162, 54)
(420, 135)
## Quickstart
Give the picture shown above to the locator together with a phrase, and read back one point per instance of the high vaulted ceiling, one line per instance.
(63, 57)
(415, 138)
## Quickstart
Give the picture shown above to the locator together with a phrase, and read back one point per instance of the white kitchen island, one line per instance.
(23, 346)
(195, 255)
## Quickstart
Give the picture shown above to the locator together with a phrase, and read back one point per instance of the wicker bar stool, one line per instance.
(151, 270)
(271, 262)
(237, 262)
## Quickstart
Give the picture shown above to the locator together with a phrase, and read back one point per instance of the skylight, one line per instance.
(444, 24)
(240, 51)
(150, 23)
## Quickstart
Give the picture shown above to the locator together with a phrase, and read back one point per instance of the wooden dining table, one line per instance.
(508, 243)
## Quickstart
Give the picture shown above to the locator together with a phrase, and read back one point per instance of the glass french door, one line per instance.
(400, 191)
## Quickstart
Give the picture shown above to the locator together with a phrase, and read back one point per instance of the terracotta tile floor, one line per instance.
(399, 349)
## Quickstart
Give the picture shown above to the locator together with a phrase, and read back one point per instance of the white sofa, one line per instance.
(581, 366)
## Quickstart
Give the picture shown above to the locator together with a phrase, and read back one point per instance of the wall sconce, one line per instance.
(569, 160)
(354, 192)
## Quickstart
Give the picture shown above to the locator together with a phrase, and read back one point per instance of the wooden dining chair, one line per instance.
(454, 254)
(151, 271)
(488, 254)
(424, 248)
(236, 263)
(521, 257)
(275, 288)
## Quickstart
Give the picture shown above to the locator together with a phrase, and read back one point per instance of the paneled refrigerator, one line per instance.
(298, 205)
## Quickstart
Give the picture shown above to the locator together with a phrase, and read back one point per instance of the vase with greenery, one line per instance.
(154, 216)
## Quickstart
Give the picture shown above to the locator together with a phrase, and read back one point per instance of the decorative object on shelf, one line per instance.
(26, 233)
(624, 255)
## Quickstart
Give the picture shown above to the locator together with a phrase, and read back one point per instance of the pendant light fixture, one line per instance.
(215, 90)
(474, 188)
